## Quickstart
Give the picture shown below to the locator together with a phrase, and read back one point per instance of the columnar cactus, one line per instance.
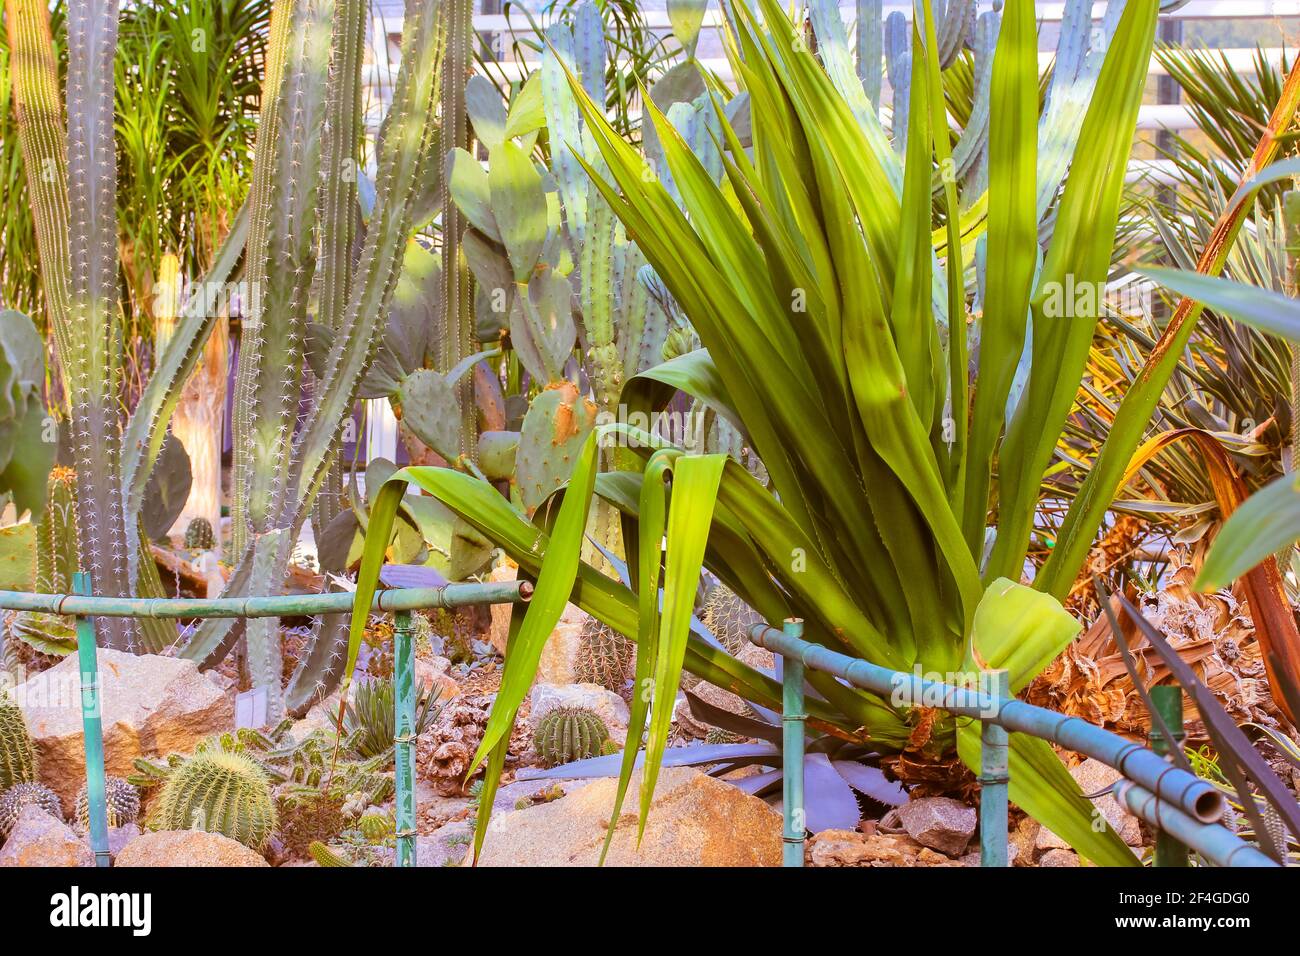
(17, 753)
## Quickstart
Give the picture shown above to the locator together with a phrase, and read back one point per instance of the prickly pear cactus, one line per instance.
(56, 563)
(557, 424)
(569, 733)
(605, 656)
(17, 753)
(14, 800)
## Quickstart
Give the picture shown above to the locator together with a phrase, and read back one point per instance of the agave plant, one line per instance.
(810, 277)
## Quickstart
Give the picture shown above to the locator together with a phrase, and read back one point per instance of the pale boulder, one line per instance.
(500, 629)
(695, 820)
(187, 848)
(38, 839)
(150, 705)
(1093, 776)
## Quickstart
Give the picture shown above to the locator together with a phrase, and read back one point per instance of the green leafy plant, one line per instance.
(810, 278)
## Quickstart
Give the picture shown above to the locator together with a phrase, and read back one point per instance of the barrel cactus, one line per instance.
(199, 535)
(19, 797)
(17, 755)
(569, 733)
(221, 792)
(604, 657)
(121, 798)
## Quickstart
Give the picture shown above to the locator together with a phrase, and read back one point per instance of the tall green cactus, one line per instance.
(71, 176)
(302, 211)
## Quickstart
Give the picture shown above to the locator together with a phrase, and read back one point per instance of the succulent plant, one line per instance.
(327, 856)
(199, 535)
(56, 563)
(219, 791)
(17, 753)
(121, 798)
(369, 718)
(605, 656)
(16, 798)
(728, 618)
(308, 815)
(569, 733)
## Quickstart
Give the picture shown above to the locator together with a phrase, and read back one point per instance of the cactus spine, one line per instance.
(569, 733)
(123, 801)
(17, 754)
(605, 656)
(221, 792)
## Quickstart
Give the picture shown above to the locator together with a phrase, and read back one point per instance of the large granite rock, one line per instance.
(605, 704)
(940, 823)
(187, 848)
(694, 820)
(150, 704)
(38, 839)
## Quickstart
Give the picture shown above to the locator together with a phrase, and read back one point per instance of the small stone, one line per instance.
(39, 839)
(605, 704)
(1059, 858)
(1025, 839)
(432, 676)
(940, 823)
(187, 848)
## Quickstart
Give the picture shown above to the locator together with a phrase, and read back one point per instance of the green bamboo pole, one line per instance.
(1168, 702)
(404, 739)
(792, 729)
(293, 605)
(994, 776)
(92, 729)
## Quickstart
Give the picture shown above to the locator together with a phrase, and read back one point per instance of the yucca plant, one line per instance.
(811, 280)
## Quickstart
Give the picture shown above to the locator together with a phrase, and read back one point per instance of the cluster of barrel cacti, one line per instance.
(23, 795)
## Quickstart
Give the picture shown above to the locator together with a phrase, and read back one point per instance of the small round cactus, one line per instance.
(569, 733)
(122, 801)
(220, 792)
(17, 755)
(24, 795)
(199, 535)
